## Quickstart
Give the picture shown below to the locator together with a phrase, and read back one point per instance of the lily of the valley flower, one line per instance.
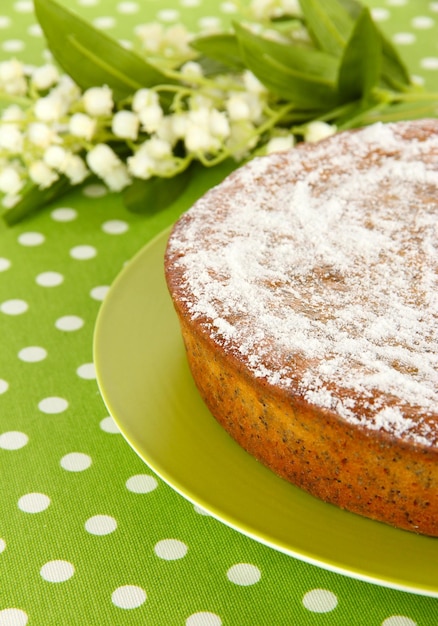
(98, 101)
(104, 162)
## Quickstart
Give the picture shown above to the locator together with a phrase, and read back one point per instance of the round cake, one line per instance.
(306, 289)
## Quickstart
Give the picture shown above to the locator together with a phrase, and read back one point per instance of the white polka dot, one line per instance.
(396, 3)
(433, 6)
(320, 601)
(14, 307)
(204, 618)
(69, 323)
(13, 440)
(95, 191)
(429, 63)
(100, 525)
(35, 30)
(99, 293)
(128, 8)
(380, 14)
(13, 617)
(76, 462)
(417, 80)
(49, 279)
(53, 405)
(209, 22)
(83, 253)
(168, 15)
(115, 227)
(228, 7)
(398, 620)
(423, 22)
(13, 45)
(170, 549)
(88, 3)
(57, 571)
(128, 597)
(31, 239)
(404, 39)
(109, 426)
(4, 386)
(244, 574)
(64, 214)
(2, 545)
(190, 3)
(34, 502)
(141, 483)
(86, 371)
(5, 264)
(104, 22)
(23, 6)
(32, 354)
(5, 21)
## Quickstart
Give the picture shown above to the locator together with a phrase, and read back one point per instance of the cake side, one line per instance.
(365, 472)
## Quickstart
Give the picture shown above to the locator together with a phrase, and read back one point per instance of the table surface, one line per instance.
(88, 534)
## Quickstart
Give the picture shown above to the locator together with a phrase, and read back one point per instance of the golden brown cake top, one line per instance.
(317, 268)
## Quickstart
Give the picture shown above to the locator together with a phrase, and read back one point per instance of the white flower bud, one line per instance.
(41, 135)
(67, 90)
(118, 179)
(75, 169)
(191, 70)
(12, 113)
(158, 148)
(11, 71)
(45, 77)
(280, 144)
(102, 159)
(41, 174)
(219, 124)
(11, 138)
(141, 165)
(104, 162)
(50, 108)
(252, 83)
(238, 108)
(199, 139)
(144, 98)
(10, 181)
(82, 125)
(55, 157)
(125, 125)
(315, 131)
(151, 117)
(98, 101)
(179, 124)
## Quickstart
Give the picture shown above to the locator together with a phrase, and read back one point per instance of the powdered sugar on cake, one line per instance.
(327, 257)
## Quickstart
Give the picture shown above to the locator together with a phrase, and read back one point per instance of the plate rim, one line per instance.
(121, 279)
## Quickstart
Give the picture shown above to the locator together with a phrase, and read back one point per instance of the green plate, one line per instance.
(146, 384)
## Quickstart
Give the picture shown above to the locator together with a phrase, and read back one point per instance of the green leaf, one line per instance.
(329, 24)
(222, 48)
(361, 61)
(305, 77)
(394, 70)
(153, 195)
(34, 198)
(89, 56)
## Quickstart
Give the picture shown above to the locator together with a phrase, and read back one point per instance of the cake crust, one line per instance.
(332, 390)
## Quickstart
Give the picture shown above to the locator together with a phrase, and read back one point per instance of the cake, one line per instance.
(306, 289)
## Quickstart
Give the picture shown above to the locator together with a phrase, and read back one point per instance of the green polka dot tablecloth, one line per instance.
(88, 534)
